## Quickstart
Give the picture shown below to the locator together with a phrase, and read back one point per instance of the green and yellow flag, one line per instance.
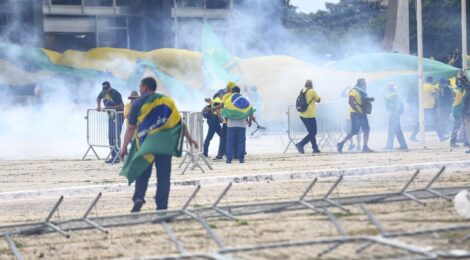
(159, 131)
(237, 106)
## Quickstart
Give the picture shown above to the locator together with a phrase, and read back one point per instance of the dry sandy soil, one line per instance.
(150, 240)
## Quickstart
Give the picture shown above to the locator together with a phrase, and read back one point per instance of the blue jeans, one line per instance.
(236, 140)
(214, 128)
(163, 165)
(311, 125)
(223, 141)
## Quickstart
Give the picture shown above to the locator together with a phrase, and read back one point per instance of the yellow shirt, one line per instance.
(127, 110)
(225, 100)
(226, 97)
(312, 97)
(357, 99)
(215, 103)
(429, 100)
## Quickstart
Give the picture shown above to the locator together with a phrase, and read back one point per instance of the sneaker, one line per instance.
(218, 158)
(300, 149)
(454, 145)
(242, 160)
(405, 148)
(229, 161)
(137, 206)
(339, 147)
(316, 151)
(468, 151)
(366, 149)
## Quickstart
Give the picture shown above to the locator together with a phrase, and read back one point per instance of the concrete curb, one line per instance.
(263, 177)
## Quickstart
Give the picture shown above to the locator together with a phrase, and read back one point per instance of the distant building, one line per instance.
(85, 24)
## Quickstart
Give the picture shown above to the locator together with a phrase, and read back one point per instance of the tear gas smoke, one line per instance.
(54, 127)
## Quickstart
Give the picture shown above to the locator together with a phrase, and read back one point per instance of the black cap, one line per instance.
(106, 84)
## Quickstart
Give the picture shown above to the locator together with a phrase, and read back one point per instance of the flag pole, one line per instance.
(419, 20)
(464, 37)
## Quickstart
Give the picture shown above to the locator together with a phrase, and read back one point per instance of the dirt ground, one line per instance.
(150, 240)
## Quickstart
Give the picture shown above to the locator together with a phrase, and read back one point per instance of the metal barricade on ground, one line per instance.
(330, 125)
(192, 156)
(104, 131)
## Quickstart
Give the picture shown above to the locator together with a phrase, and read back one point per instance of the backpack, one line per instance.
(206, 113)
(302, 104)
(366, 103)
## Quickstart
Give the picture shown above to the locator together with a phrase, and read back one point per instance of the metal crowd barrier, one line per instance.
(331, 118)
(104, 131)
(195, 123)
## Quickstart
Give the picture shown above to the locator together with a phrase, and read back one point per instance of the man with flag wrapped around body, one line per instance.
(239, 113)
(156, 130)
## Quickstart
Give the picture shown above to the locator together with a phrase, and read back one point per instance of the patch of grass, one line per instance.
(212, 226)
(366, 231)
(197, 206)
(242, 222)
(343, 214)
(18, 244)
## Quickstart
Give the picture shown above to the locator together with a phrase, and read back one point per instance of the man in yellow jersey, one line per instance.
(358, 106)
(429, 104)
(213, 121)
(457, 111)
(223, 133)
(308, 117)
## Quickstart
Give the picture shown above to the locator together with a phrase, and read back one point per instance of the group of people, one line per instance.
(444, 106)
(228, 114)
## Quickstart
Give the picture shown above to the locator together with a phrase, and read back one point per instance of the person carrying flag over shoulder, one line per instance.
(239, 113)
(156, 130)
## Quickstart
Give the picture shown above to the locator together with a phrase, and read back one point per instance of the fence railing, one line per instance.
(331, 118)
(195, 123)
(104, 131)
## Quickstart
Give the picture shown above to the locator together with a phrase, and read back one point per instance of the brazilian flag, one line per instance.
(237, 106)
(159, 131)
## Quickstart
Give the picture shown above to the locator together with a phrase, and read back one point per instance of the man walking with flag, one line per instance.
(156, 130)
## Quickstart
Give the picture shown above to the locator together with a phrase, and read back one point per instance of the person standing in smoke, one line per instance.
(444, 100)
(359, 106)
(347, 127)
(466, 107)
(457, 111)
(112, 99)
(430, 93)
(213, 121)
(394, 105)
(308, 117)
